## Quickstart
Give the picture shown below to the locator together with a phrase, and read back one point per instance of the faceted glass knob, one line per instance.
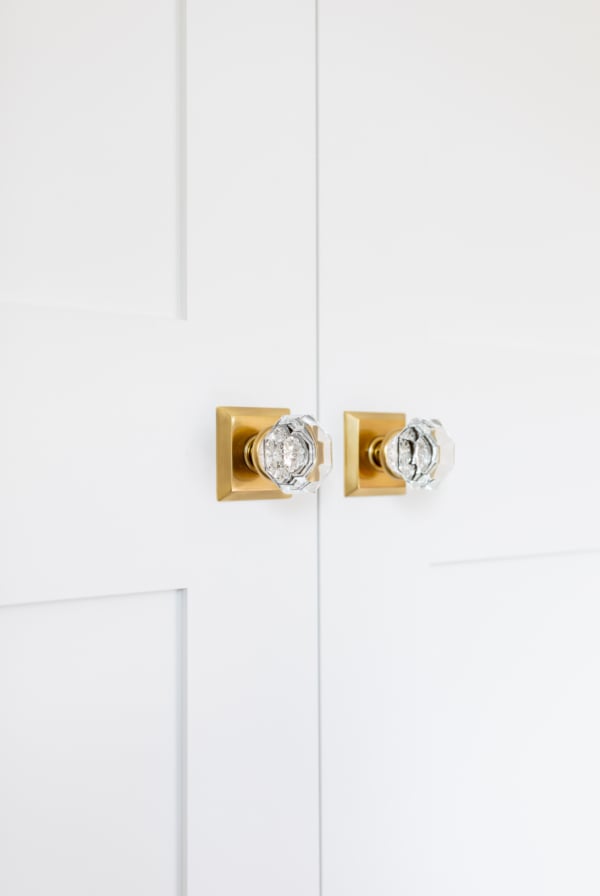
(422, 453)
(295, 454)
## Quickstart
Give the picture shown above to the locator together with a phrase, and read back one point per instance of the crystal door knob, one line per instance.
(295, 454)
(269, 453)
(385, 454)
(422, 453)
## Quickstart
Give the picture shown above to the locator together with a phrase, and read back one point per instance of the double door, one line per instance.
(364, 206)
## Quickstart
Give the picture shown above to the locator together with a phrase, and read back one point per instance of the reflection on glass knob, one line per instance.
(267, 453)
(295, 454)
(422, 453)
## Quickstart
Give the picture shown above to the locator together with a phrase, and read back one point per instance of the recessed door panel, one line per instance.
(89, 134)
(92, 746)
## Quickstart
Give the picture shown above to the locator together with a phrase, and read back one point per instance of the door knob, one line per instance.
(384, 453)
(265, 453)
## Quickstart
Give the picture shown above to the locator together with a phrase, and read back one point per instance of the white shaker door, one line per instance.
(459, 278)
(158, 650)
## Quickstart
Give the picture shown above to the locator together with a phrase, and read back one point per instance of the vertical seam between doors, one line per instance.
(318, 412)
(181, 277)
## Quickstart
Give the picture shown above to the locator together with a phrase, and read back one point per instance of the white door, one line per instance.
(343, 696)
(459, 240)
(158, 650)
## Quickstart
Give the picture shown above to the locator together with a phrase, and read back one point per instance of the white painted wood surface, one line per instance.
(91, 740)
(88, 175)
(110, 370)
(158, 651)
(459, 235)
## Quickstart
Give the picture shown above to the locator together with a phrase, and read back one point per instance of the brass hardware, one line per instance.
(364, 434)
(237, 476)
(248, 449)
(374, 453)
(269, 453)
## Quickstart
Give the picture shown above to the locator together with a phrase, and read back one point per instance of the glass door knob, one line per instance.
(385, 453)
(422, 453)
(269, 453)
(295, 454)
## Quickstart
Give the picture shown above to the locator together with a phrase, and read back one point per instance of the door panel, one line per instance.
(469, 742)
(91, 746)
(89, 143)
(459, 230)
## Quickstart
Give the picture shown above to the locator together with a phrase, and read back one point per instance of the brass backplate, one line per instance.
(361, 477)
(235, 480)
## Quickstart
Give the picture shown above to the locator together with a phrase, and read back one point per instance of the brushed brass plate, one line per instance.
(360, 476)
(235, 480)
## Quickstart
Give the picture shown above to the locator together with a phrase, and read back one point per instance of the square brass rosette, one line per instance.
(364, 433)
(236, 427)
